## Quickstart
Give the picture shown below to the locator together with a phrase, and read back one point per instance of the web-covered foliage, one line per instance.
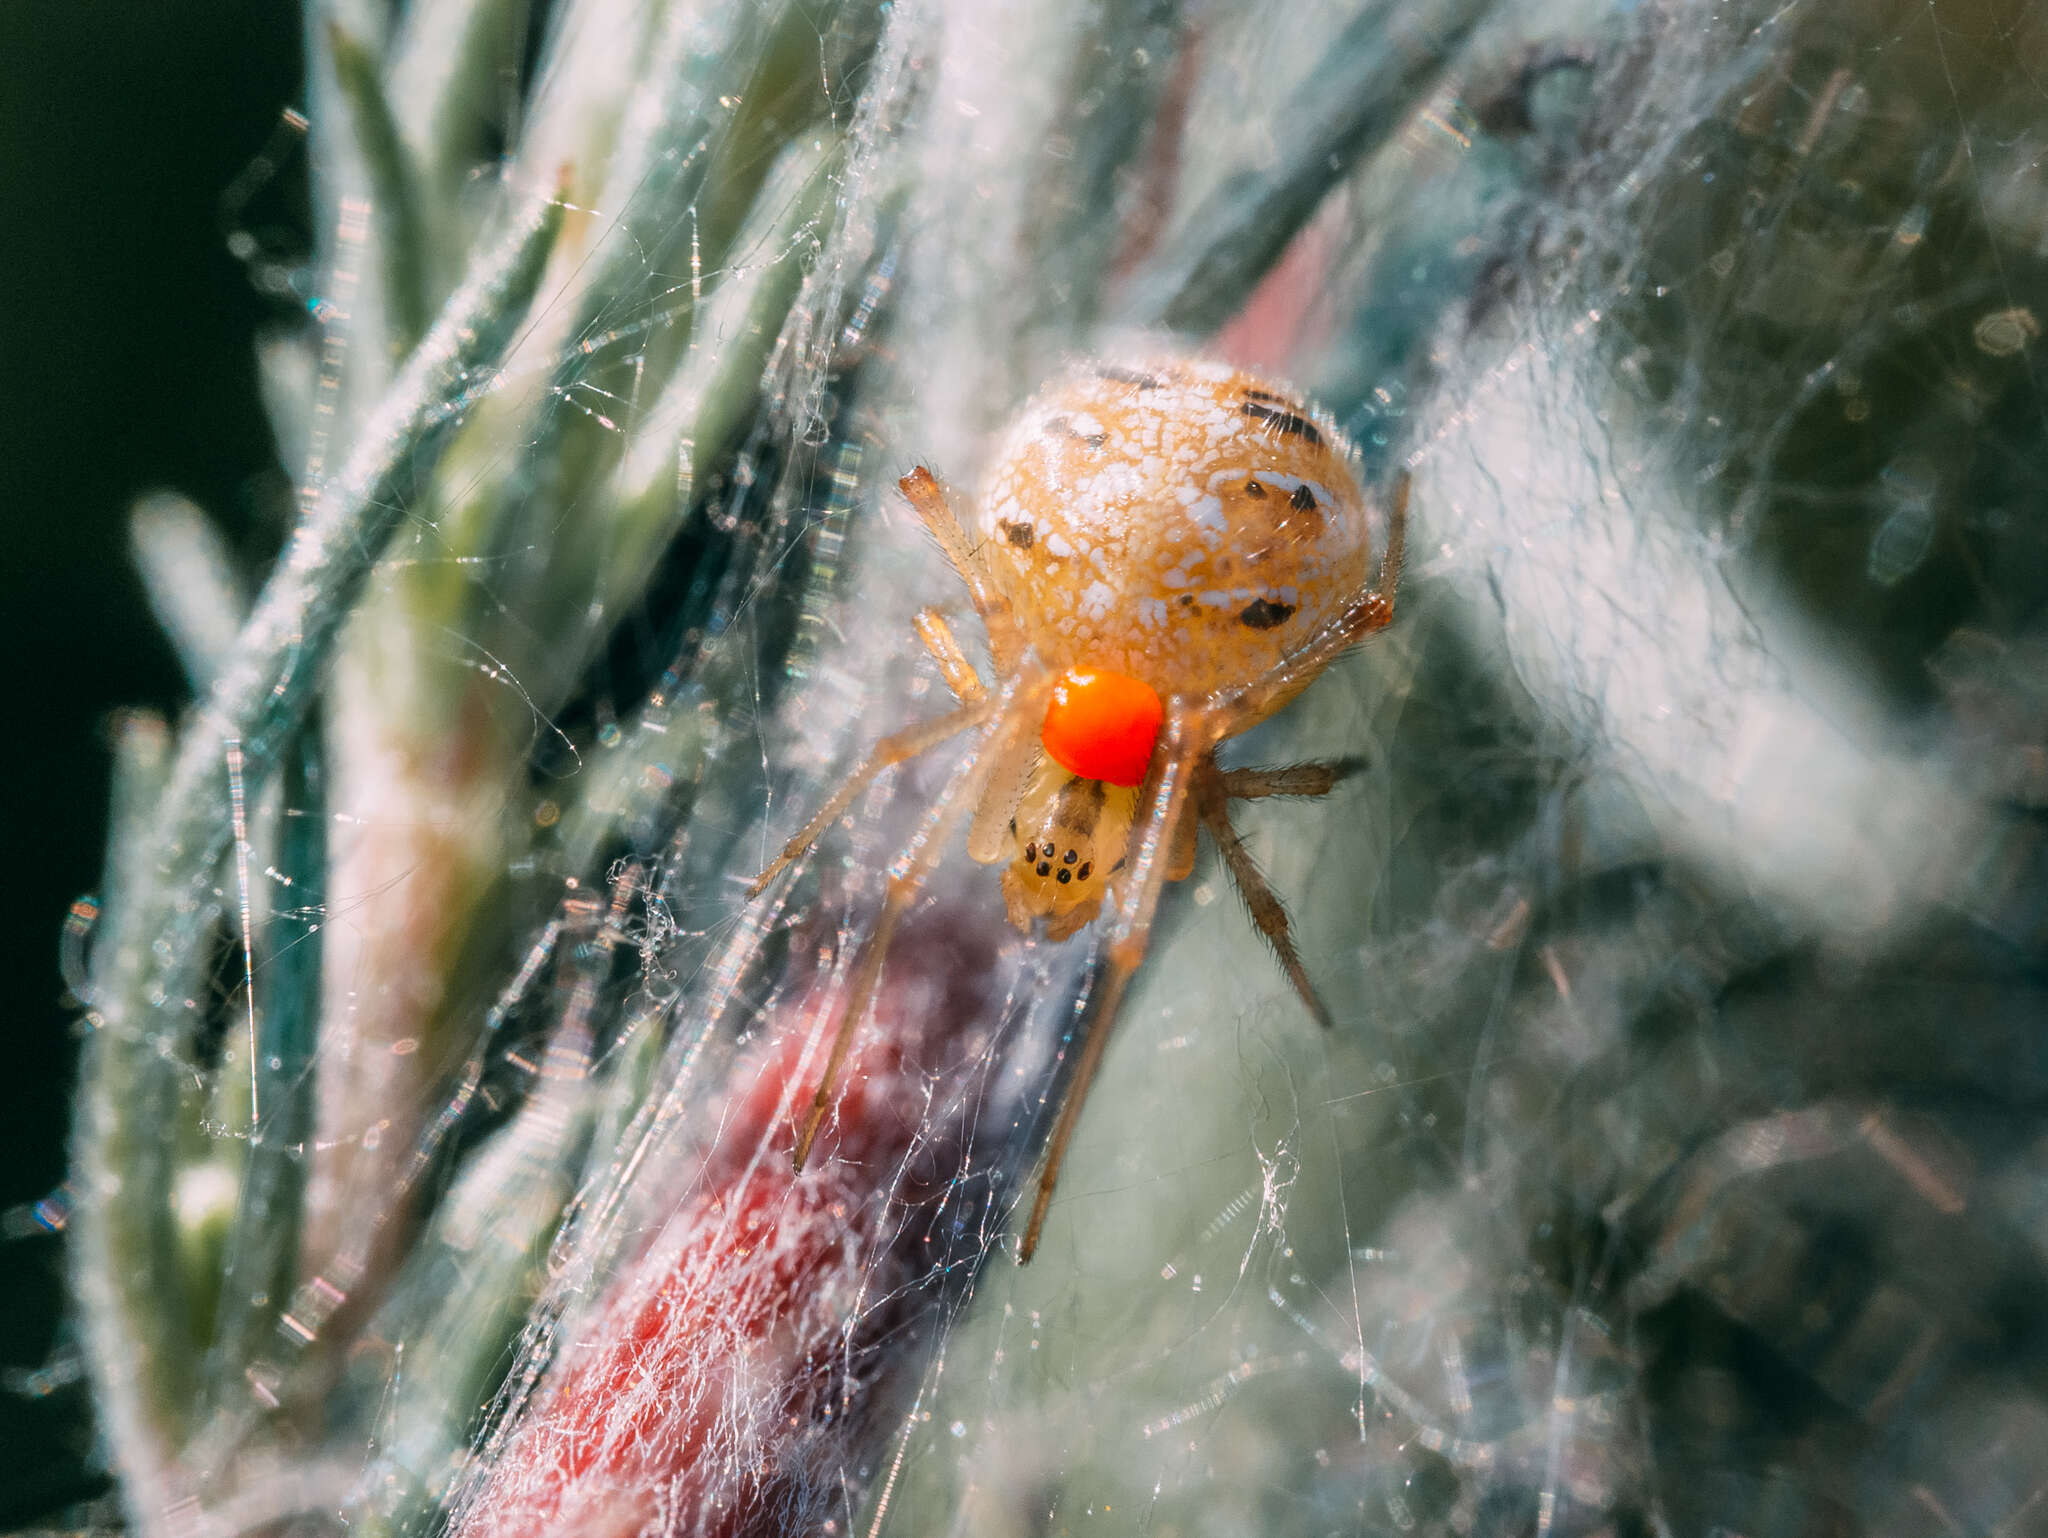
(1677, 1161)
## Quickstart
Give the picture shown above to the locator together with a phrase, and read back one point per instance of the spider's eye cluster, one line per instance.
(1102, 725)
(1053, 863)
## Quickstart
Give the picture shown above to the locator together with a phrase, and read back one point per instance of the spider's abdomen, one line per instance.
(1180, 521)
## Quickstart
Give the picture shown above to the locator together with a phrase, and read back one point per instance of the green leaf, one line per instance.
(401, 239)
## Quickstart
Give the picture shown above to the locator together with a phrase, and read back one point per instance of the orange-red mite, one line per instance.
(1102, 725)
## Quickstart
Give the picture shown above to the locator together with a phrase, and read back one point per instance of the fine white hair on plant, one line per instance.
(1674, 1162)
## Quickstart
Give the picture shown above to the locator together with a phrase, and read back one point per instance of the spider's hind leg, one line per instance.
(1212, 803)
(1312, 779)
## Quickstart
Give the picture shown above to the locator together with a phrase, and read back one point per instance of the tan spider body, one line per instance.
(1167, 552)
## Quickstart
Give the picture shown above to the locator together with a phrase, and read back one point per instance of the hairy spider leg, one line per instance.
(1212, 804)
(1005, 641)
(1005, 738)
(886, 754)
(954, 667)
(1180, 851)
(988, 834)
(1182, 745)
(1311, 779)
(1214, 788)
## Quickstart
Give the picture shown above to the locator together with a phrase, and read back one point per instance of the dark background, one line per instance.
(126, 364)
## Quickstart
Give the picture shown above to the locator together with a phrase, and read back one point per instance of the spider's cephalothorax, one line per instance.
(1167, 552)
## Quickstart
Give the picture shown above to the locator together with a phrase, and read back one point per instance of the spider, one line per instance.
(1168, 551)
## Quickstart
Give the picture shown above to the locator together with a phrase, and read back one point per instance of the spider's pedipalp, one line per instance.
(1182, 746)
(988, 836)
(954, 667)
(1010, 718)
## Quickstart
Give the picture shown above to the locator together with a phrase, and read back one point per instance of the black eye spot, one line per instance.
(1071, 856)
(1018, 534)
(1030, 851)
(1264, 614)
(1082, 873)
(1044, 869)
(1284, 422)
(1303, 499)
(1187, 600)
(1254, 489)
(1065, 877)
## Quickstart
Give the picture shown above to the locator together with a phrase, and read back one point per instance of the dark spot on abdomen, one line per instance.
(1060, 427)
(1283, 421)
(1018, 534)
(1264, 614)
(1136, 378)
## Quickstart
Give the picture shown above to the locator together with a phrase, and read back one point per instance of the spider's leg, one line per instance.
(1013, 719)
(1180, 849)
(1182, 745)
(1212, 801)
(887, 753)
(1314, 779)
(928, 497)
(954, 667)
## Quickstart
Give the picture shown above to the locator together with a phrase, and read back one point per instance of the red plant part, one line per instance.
(731, 1377)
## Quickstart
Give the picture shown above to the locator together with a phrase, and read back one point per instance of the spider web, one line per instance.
(1676, 1162)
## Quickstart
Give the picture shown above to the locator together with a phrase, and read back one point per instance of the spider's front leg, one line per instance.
(889, 752)
(975, 706)
(1183, 745)
(1005, 641)
(987, 767)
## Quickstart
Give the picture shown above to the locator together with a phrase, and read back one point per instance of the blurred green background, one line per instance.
(126, 364)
